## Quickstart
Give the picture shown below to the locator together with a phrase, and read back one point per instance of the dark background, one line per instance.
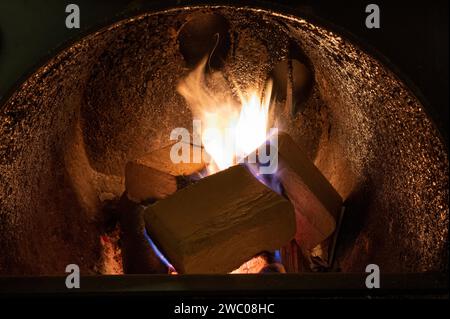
(413, 36)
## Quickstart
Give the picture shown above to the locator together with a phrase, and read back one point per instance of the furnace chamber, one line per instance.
(67, 131)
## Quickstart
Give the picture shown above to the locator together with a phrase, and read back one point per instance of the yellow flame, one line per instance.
(251, 129)
(229, 130)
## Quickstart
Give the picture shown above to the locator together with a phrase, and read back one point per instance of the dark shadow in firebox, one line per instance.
(353, 223)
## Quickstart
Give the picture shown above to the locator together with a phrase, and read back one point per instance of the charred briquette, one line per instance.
(155, 175)
(273, 268)
(293, 80)
(137, 255)
(205, 35)
(220, 222)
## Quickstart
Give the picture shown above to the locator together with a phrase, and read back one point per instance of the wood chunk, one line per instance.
(316, 202)
(137, 255)
(155, 175)
(217, 224)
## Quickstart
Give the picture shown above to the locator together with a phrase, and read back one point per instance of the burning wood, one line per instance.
(316, 202)
(155, 175)
(220, 222)
(223, 220)
(137, 255)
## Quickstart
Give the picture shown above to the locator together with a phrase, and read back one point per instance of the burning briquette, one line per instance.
(220, 222)
(316, 202)
(155, 175)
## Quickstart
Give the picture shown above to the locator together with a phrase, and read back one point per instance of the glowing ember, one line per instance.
(253, 266)
(229, 130)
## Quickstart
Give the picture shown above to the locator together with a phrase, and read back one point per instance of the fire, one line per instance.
(251, 129)
(229, 130)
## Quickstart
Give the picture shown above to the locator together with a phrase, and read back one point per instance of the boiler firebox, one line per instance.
(82, 138)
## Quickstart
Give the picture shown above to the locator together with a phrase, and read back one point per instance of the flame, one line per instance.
(251, 129)
(229, 130)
